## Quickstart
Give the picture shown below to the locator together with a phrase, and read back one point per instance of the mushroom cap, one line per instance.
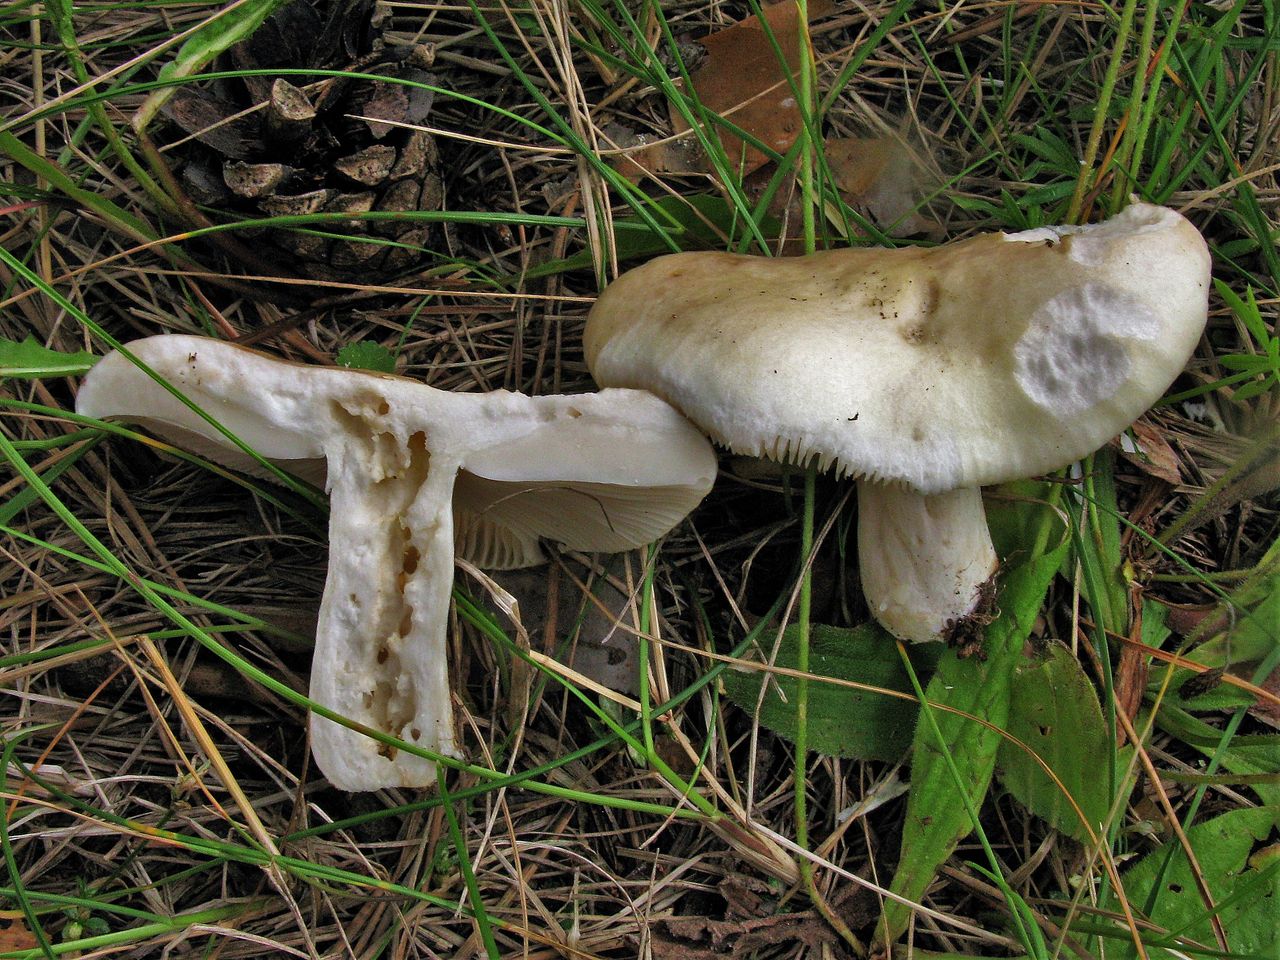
(607, 471)
(974, 362)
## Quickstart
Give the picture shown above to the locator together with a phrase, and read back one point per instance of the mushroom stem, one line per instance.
(926, 560)
(381, 656)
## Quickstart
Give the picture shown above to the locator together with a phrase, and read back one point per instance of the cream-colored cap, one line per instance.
(975, 362)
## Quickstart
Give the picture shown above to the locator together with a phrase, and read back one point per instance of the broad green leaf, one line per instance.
(30, 360)
(1246, 896)
(1055, 711)
(842, 722)
(1030, 538)
(367, 355)
(222, 30)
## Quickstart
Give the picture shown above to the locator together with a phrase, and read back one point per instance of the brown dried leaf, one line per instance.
(600, 650)
(647, 157)
(1267, 710)
(1185, 620)
(382, 107)
(879, 177)
(743, 80)
(15, 935)
(1154, 455)
(1131, 682)
(744, 936)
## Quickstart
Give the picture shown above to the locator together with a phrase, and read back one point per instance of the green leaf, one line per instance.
(1099, 550)
(1243, 361)
(1247, 897)
(367, 355)
(842, 722)
(219, 34)
(29, 360)
(1055, 711)
(1029, 536)
(1246, 310)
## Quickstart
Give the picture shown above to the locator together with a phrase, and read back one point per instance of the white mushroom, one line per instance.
(921, 372)
(411, 471)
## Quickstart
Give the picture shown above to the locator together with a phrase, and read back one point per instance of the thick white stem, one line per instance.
(926, 561)
(381, 654)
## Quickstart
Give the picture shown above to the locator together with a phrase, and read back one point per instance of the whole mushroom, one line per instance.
(923, 373)
(413, 474)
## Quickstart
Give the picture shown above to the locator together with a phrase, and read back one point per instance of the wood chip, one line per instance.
(289, 113)
(418, 156)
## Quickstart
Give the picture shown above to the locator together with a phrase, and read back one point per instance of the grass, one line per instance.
(156, 610)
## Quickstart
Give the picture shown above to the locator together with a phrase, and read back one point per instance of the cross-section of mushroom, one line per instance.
(412, 471)
(924, 373)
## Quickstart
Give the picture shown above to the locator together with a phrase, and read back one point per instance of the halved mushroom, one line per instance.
(924, 373)
(412, 471)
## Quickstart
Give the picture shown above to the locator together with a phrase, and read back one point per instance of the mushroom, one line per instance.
(413, 473)
(923, 373)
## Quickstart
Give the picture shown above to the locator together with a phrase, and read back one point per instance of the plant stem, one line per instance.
(802, 667)
(1086, 178)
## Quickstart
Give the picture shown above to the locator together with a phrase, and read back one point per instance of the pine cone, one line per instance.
(283, 146)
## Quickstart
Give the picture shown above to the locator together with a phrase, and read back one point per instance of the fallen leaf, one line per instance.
(1147, 628)
(31, 360)
(842, 721)
(1150, 452)
(736, 937)
(14, 935)
(743, 80)
(640, 155)
(1055, 712)
(581, 632)
(1267, 710)
(879, 177)
(1163, 886)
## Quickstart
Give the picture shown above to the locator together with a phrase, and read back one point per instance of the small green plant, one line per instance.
(1259, 369)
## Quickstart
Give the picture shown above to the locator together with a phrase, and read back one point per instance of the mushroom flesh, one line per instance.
(413, 473)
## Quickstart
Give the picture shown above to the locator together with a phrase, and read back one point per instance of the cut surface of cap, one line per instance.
(970, 363)
(410, 469)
